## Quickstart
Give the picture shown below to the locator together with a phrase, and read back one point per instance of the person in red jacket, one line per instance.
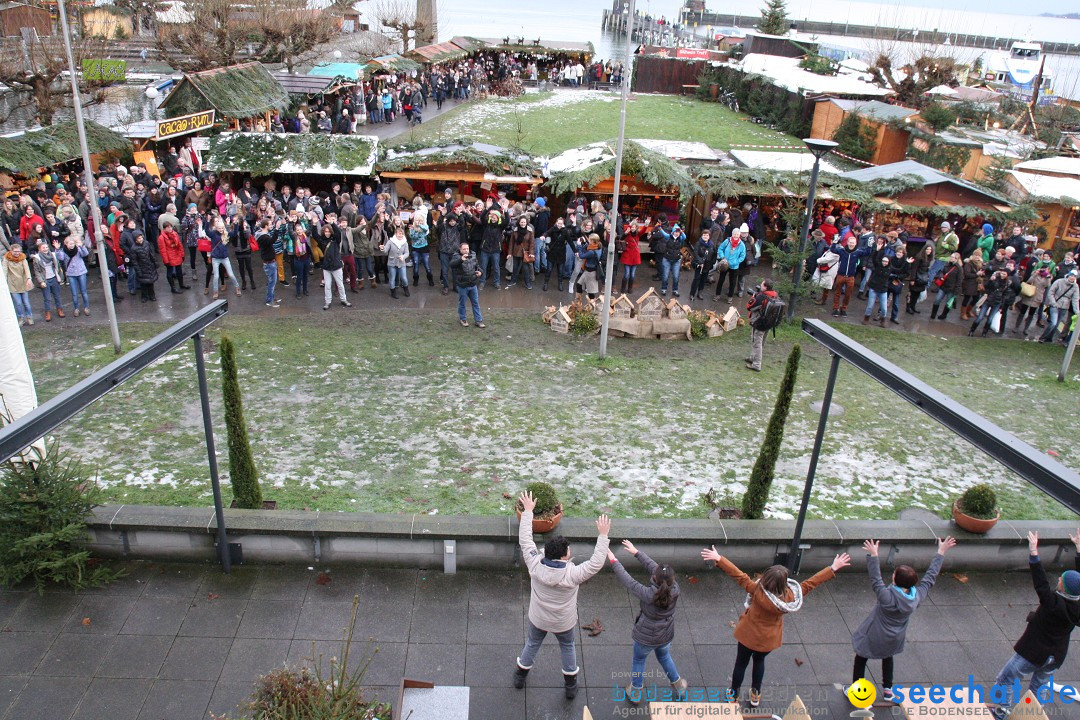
(171, 249)
(27, 223)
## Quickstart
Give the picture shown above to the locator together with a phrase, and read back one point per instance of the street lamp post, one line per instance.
(819, 148)
(616, 222)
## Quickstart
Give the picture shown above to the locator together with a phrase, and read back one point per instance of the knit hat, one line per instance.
(1070, 580)
(192, 206)
(541, 202)
(987, 229)
(946, 226)
(744, 229)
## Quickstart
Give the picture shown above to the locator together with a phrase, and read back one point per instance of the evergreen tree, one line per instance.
(761, 477)
(855, 138)
(774, 18)
(242, 473)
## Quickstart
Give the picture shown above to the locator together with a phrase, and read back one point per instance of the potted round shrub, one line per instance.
(976, 510)
(548, 510)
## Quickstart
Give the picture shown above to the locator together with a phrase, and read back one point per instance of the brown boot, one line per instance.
(59, 312)
(48, 316)
(374, 284)
(882, 322)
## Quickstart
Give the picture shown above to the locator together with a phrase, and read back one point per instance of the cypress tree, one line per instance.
(774, 18)
(761, 477)
(242, 473)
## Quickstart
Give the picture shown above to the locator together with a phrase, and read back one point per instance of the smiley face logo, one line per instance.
(862, 693)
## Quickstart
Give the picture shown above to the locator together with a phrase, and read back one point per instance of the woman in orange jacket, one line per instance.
(769, 598)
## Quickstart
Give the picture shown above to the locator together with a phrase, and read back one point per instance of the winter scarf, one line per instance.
(785, 607)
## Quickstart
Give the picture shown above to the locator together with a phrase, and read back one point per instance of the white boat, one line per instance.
(1014, 72)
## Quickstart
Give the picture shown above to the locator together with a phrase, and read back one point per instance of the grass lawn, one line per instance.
(407, 412)
(550, 122)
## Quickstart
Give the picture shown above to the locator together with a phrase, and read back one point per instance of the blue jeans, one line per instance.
(51, 293)
(224, 262)
(420, 257)
(541, 258)
(270, 269)
(22, 305)
(78, 291)
(669, 268)
(629, 272)
(398, 277)
(446, 275)
(489, 259)
(1017, 667)
(300, 270)
(1056, 315)
(132, 281)
(865, 278)
(365, 268)
(943, 297)
(881, 299)
(894, 303)
(663, 654)
(474, 298)
(566, 646)
(936, 267)
(568, 265)
(987, 312)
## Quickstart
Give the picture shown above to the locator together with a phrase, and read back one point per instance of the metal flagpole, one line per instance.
(95, 211)
(616, 223)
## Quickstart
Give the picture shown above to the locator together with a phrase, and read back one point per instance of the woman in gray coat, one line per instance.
(881, 635)
(654, 628)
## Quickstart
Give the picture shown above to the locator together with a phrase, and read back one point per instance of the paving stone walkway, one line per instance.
(179, 642)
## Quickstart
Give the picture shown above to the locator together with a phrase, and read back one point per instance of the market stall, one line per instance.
(239, 94)
(473, 170)
(256, 155)
(1053, 186)
(23, 154)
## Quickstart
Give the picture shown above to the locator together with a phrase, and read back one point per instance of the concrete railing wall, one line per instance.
(425, 541)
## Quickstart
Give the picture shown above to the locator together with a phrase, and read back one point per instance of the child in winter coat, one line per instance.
(654, 628)
(881, 635)
(760, 629)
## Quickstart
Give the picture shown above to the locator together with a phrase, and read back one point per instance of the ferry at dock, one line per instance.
(1014, 72)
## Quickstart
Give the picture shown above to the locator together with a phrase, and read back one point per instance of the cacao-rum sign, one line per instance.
(184, 125)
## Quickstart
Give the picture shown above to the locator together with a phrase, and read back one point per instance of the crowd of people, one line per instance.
(364, 234)
(769, 598)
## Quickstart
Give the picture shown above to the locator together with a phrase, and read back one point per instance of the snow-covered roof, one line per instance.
(173, 12)
(681, 149)
(941, 90)
(579, 158)
(1047, 185)
(1059, 165)
(786, 73)
(874, 108)
(781, 161)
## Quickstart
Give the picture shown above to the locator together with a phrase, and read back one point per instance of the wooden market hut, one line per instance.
(236, 93)
(651, 183)
(14, 16)
(890, 141)
(25, 152)
(474, 170)
(1053, 186)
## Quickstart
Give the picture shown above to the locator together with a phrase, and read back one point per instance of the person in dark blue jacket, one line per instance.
(848, 266)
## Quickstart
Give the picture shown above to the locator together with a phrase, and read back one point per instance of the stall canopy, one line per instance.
(393, 63)
(779, 160)
(441, 52)
(319, 153)
(26, 151)
(312, 84)
(237, 91)
(645, 171)
(352, 71)
(459, 162)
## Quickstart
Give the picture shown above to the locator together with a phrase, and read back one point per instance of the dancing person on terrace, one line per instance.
(1042, 648)
(760, 629)
(881, 635)
(654, 627)
(554, 581)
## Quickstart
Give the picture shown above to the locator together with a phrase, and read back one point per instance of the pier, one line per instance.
(650, 31)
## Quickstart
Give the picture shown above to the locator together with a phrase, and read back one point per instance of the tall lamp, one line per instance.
(819, 149)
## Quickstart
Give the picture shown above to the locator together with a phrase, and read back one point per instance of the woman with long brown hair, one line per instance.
(654, 628)
(760, 629)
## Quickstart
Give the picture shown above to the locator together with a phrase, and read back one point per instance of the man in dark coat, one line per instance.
(1042, 648)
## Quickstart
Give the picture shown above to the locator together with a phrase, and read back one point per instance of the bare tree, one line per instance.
(33, 72)
(916, 77)
(210, 40)
(400, 20)
(290, 33)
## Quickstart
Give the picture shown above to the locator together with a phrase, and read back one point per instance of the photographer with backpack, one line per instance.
(766, 312)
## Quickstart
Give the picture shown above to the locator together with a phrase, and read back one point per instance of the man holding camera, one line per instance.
(467, 273)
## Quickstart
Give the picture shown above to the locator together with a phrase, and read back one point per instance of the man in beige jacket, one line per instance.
(554, 590)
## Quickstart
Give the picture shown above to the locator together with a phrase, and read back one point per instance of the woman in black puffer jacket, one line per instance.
(654, 628)
(991, 307)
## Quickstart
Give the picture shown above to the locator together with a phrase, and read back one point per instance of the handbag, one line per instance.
(1027, 289)
(529, 257)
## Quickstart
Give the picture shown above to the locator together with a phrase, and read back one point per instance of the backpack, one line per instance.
(769, 315)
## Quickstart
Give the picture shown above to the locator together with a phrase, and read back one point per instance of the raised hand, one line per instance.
(603, 525)
(948, 542)
(633, 550)
(710, 554)
(1033, 543)
(527, 501)
(871, 547)
(840, 561)
(1076, 539)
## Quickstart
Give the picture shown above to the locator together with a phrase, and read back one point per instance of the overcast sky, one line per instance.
(1027, 7)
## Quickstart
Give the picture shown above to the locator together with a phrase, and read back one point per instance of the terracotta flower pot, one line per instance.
(972, 524)
(543, 525)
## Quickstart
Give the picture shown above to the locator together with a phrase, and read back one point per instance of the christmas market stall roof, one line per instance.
(313, 84)
(351, 71)
(874, 109)
(393, 63)
(317, 153)
(25, 151)
(588, 166)
(440, 52)
(786, 73)
(237, 91)
(780, 161)
(1057, 189)
(460, 161)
